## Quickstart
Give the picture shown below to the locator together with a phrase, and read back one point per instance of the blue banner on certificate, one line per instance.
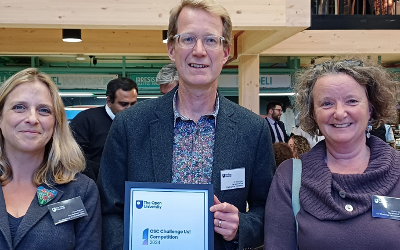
(168, 216)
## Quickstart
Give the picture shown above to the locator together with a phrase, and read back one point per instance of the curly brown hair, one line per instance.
(282, 152)
(301, 145)
(380, 86)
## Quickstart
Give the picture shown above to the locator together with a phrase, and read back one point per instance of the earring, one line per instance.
(369, 128)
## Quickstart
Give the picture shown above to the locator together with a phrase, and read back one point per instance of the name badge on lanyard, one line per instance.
(385, 207)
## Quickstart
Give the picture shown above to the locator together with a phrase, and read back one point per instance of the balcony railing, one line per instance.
(355, 15)
(355, 7)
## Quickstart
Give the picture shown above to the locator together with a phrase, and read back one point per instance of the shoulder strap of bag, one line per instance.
(296, 184)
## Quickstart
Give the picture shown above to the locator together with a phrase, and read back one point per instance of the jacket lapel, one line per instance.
(272, 133)
(4, 224)
(33, 215)
(162, 136)
(225, 143)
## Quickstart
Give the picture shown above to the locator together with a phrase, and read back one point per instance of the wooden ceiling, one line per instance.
(112, 27)
(116, 28)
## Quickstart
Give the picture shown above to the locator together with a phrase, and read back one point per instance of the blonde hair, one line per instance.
(63, 158)
(381, 89)
(210, 6)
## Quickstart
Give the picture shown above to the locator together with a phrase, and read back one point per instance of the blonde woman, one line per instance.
(45, 203)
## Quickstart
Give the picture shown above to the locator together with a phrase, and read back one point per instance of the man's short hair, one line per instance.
(272, 105)
(210, 6)
(123, 83)
(167, 75)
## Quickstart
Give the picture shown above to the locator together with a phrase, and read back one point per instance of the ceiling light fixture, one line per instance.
(148, 96)
(71, 35)
(80, 57)
(73, 94)
(277, 94)
(164, 36)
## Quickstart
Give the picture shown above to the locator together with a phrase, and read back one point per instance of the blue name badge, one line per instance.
(385, 207)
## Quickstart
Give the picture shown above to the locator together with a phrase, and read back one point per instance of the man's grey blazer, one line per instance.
(37, 230)
(139, 148)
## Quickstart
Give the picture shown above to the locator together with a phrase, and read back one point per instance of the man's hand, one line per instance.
(226, 219)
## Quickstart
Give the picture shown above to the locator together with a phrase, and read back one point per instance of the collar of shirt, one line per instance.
(109, 112)
(184, 118)
(271, 121)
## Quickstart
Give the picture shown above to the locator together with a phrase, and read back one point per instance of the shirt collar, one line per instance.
(271, 121)
(184, 118)
(109, 112)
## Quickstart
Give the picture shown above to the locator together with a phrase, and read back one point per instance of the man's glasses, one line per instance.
(345, 63)
(188, 41)
(279, 110)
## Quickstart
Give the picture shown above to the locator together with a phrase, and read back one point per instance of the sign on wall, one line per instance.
(75, 81)
(224, 81)
(145, 80)
(275, 81)
(100, 81)
(79, 81)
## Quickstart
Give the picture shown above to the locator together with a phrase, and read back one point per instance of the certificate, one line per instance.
(168, 216)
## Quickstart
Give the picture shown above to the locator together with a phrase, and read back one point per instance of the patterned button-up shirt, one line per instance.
(193, 151)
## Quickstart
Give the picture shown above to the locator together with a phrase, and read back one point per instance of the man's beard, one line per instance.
(276, 117)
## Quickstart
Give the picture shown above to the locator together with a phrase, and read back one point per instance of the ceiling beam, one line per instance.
(143, 14)
(297, 17)
(338, 42)
(94, 42)
(256, 42)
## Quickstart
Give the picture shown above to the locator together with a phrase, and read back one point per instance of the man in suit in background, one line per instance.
(276, 127)
(192, 135)
(90, 127)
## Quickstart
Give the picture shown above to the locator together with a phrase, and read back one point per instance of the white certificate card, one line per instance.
(168, 216)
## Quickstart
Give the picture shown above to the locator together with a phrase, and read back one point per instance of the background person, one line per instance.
(299, 145)
(191, 134)
(390, 136)
(167, 78)
(39, 166)
(90, 127)
(342, 173)
(385, 133)
(277, 128)
(312, 139)
(282, 152)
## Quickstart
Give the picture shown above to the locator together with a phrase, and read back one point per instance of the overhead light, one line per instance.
(80, 57)
(73, 94)
(148, 96)
(277, 94)
(139, 97)
(165, 36)
(70, 108)
(71, 35)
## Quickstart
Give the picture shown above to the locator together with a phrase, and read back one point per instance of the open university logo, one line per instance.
(145, 237)
(139, 204)
(226, 175)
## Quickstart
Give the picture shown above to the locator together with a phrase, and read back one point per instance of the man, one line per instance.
(167, 78)
(276, 127)
(90, 127)
(191, 135)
